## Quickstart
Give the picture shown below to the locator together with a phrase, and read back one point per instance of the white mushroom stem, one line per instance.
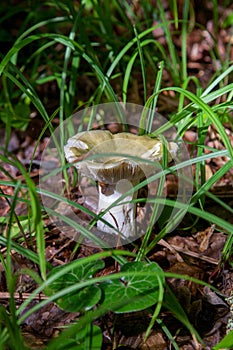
(121, 216)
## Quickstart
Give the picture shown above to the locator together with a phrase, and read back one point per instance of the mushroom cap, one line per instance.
(108, 157)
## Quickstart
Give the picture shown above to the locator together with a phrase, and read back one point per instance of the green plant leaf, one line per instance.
(225, 343)
(172, 304)
(82, 299)
(135, 292)
(89, 337)
(18, 118)
(228, 21)
(15, 229)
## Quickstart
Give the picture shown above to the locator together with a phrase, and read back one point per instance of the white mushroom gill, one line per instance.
(102, 156)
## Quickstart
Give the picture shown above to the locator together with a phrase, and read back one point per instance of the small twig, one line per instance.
(189, 252)
(22, 296)
(165, 244)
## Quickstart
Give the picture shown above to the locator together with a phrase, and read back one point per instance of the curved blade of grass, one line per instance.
(18, 46)
(211, 181)
(35, 27)
(84, 231)
(68, 52)
(73, 46)
(157, 308)
(41, 24)
(185, 87)
(142, 63)
(36, 216)
(13, 327)
(28, 90)
(172, 50)
(127, 76)
(147, 115)
(184, 25)
(202, 130)
(226, 343)
(128, 70)
(34, 55)
(227, 250)
(9, 276)
(63, 89)
(189, 109)
(123, 52)
(208, 110)
(168, 333)
(59, 198)
(212, 218)
(47, 125)
(215, 83)
(156, 89)
(27, 253)
(172, 304)
(141, 252)
(175, 13)
(217, 93)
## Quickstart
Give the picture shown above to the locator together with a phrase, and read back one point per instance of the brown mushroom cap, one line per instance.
(101, 145)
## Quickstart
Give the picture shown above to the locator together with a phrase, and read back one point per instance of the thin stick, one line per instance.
(22, 296)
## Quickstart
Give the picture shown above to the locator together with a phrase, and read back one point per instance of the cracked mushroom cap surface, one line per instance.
(106, 157)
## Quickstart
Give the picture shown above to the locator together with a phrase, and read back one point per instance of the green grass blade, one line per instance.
(172, 50)
(172, 304)
(184, 40)
(209, 112)
(175, 13)
(211, 181)
(127, 76)
(142, 63)
(157, 308)
(28, 90)
(200, 213)
(128, 70)
(36, 216)
(157, 86)
(216, 82)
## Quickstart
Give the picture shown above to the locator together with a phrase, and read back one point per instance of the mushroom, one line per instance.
(117, 162)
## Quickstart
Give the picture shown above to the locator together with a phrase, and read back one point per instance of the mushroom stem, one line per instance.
(121, 216)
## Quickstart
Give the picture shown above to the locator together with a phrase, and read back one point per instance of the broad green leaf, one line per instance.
(135, 292)
(82, 299)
